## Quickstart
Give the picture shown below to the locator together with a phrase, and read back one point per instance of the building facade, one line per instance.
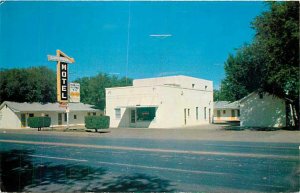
(226, 112)
(262, 110)
(164, 102)
(13, 115)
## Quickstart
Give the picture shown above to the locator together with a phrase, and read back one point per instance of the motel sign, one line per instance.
(74, 92)
(63, 81)
(62, 75)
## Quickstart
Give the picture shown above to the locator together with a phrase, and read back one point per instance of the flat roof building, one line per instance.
(13, 115)
(164, 102)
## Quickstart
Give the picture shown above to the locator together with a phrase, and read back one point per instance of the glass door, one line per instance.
(132, 116)
(59, 118)
(23, 120)
(209, 115)
(184, 116)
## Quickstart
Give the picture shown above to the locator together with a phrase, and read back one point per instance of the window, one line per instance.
(261, 96)
(118, 113)
(224, 111)
(146, 113)
(89, 114)
(31, 115)
(188, 112)
(94, 113)
(197, 113)
(205, 87)
(238, 113)
(66, 117)
(46, 115)
(193, 85)
(75, 116)
(205, 113)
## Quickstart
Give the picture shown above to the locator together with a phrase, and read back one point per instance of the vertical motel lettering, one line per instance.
(64, 80)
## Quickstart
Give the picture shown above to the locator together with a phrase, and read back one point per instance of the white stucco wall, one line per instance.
(72, 121)
(8, 119)
(266, 112)
(169, 100)
(12, 120)
(180, 80)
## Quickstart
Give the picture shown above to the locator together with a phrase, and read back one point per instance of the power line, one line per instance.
(128, 39)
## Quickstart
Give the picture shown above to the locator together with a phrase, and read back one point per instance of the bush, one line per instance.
(96, 122)
(39, 122)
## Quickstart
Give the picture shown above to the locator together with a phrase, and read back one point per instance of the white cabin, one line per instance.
(13, 115)
(262, 110)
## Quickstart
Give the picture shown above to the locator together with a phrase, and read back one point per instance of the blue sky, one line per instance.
(101, 36)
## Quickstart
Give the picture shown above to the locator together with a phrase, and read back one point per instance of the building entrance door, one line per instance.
(59, 118)
(232, 114)
(218, 114)
(184, 116)
(209, 116)
(23, 120)
(132, 117)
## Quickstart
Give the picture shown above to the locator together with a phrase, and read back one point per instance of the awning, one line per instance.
(139, 102)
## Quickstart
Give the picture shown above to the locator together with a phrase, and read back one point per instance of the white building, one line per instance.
(225, 111)
(163, 102)
(262, 110)
(13, 115)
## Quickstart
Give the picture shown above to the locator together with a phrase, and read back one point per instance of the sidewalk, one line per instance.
(210, 134)
(205, 132)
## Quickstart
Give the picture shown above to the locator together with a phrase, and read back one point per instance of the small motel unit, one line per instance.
(262, 110)
(163, 102)
(13, 115)
(226, 112)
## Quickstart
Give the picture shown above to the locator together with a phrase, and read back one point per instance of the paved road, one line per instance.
(71, 163)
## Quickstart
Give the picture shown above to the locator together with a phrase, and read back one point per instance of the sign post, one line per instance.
(62, 79)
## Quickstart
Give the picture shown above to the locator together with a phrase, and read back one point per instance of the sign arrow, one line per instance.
(59, 59)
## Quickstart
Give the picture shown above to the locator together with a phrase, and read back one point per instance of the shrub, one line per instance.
(96, 122)
(39, 122)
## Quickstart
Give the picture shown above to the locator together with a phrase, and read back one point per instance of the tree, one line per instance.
(36, 84)
(93, 88)
(277, 31)
(271, 62)
(245, 72)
